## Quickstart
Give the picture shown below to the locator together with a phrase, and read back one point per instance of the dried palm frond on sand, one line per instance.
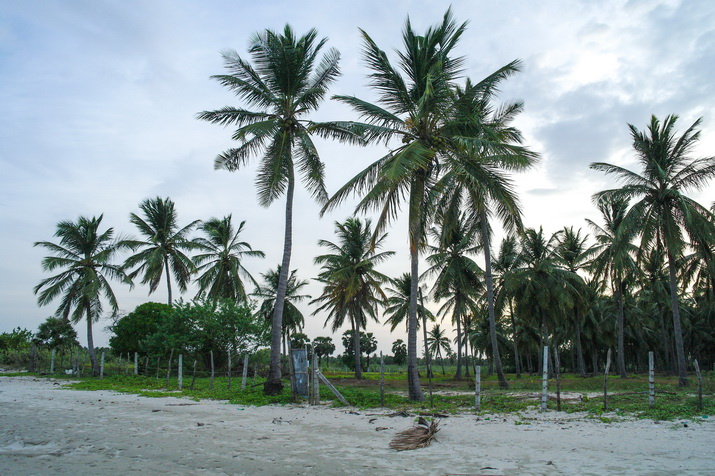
(419, 436)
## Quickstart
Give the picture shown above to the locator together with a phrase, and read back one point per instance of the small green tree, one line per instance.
(131, 331)
(324, 347)
(56, 334)
(399, 351)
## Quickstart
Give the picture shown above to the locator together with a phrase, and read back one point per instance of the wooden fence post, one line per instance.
(136, 363)
(180, 372)
(168, 370)
(52, 362)
(651, 380)
(193, 376)
(700, 385)
(332, 388)
(478, 388)
(605, 380)
(545, 379)
(229, 369)
(101, 366)
(212, 369)
(316, 383)
(382, 380)
(245, 372)
(557, 370)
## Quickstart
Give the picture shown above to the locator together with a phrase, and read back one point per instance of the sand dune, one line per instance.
(45, 429)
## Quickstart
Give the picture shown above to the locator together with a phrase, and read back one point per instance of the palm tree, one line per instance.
(488, 146)
(397, 306)
(506, 260)
(614, 261)
(84, 257)
(293, 319)
(163, 250)
(437, 341)
(572, 252)
(662, 212)
(352, 285)
(287, 81)
(457, 275)
(221, 260)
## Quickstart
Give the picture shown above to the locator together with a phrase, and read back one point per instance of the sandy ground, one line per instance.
(47, 430)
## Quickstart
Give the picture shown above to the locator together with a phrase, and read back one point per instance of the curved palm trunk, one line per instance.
(490, 301)
(677, 330)
(90, 344)
(356, 349)
(621, 319)
(415, 226)
(273, 385)
(168, 279)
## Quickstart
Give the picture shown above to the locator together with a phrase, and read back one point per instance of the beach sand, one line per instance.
(47, 430)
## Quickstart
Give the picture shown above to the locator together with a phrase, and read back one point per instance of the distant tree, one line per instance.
(368, 344)
(219, 261)
(399, 352)
(130, 332)
(299, 341)
(56, 333)
(324, 347)
(18, 339)
(437, 341)
(84, 255)
(163, 250)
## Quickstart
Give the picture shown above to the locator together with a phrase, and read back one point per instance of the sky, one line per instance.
(99, 102)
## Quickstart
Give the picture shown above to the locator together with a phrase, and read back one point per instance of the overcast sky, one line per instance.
(99, 100)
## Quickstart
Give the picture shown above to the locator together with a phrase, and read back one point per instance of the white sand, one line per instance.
(45, 430)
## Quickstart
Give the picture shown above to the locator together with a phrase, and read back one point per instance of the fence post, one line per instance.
(700, 384)
(651, 380)
(316, 383)
(168, 370)
(478, 388)
(101, 366)
(52, 362)
(229, 369)
(382, 380)
(545, 379)
(245, 372)
(136, 363)
(181, 372)
(212, 369)
(605, 380)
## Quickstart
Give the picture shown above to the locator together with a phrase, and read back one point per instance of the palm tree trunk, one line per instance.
(273, 385)
(168, 279)
(677, 330)
(356, 349)
(621, 319)
(490, 300)
(579, 349)
(415, 232)
(456, 317)
(90, 344)
(517, 360)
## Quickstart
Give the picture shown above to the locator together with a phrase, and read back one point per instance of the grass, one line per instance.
(626, 397)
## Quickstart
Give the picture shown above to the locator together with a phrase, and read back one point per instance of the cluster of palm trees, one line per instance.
(450, 153)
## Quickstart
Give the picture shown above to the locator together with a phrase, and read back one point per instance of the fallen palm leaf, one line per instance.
(419, 436)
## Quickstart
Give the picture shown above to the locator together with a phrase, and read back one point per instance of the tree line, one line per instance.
(450, 153)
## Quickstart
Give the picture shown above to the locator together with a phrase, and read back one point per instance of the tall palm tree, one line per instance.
(506, 260)
(287, 81)
(437, 341)
(293, 319)
(84, 256)
(573, 253)
(614, 261)
(413, 108)
(488, 147)
(662, 212)
(163, 250)
(220, 260)
(352, 285)
(457, 275)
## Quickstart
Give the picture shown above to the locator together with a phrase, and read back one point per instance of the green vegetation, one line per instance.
(628, 398)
